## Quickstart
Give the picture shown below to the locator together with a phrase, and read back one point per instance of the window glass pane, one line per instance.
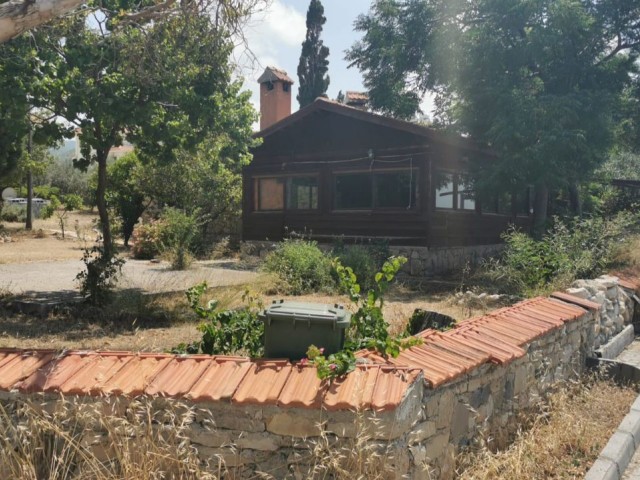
(302, 193)
(270, 194)
(466, 194)
(395, 189)
(522, 202)
(504, 204)
(444, 189)
(353, 190)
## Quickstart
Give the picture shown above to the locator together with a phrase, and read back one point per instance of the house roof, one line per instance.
(325, 105)
(356, 97)
(273, 74)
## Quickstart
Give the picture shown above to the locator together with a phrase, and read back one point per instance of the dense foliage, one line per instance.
(314, 63)
(301, 267)
(364, 259)
(581, 248)
(98, 280)
(225, 332)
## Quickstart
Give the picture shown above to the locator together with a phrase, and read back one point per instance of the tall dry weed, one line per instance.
(561, 441)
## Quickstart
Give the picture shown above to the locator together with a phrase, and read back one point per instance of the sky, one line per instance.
(275, 36)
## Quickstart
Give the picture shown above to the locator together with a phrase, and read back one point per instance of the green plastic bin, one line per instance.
(291, 327)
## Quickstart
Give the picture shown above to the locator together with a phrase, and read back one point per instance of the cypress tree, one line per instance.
(314, 63)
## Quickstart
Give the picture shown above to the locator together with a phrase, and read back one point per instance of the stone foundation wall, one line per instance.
(423, 262)
(617, 306)
(427, 261)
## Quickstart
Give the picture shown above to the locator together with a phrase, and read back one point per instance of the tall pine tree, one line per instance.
(314, 63)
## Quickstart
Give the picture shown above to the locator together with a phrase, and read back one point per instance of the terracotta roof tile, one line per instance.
(220, 380)
(303, 388)
(581, 302)
(50, 376)
(263, 382)
(20, 365)
(354, 391)
(628, 281)
(178, 377)
(390, 388)
(91, 377)
(134, 377)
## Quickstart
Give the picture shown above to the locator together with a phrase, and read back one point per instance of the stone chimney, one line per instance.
(275, 96)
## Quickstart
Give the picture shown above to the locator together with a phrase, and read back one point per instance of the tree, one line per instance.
(313, 66)
(538, 82)
(126, 192)
(163, 86)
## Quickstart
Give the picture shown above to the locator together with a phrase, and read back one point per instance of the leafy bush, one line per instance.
(61, 208)
(365, 260)
(99, 279)
(147, 241)
(13, 213)
(368, 327)
(225, 332)
(178, 235)
(581, 248)
(301, 266)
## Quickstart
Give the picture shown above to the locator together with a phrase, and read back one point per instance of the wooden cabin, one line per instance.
(330, 170)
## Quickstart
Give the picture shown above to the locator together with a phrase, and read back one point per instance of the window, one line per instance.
(269, 86)
(285, 87)
(395, 189)
(444, 185)
(353, 191)
(269, 194)
(377, 190)
(302, 193)
(454, 191)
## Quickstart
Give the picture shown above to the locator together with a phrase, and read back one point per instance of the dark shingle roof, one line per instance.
(273, 74)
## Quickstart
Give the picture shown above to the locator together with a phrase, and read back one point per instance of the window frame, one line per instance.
(255, 204)
(457, 176)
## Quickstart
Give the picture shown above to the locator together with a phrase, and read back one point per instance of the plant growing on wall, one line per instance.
(369, 329)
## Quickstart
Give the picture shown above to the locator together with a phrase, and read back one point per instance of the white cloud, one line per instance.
(279, 27)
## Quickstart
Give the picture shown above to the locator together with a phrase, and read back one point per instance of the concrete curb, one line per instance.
(619, 450)
(617, 344)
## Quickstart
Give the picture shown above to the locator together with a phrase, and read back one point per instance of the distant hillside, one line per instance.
(65, 152)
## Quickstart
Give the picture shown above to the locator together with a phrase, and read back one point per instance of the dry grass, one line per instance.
(72, 440)
(628, 256)
(561, 441)
(43, 244)
(138, 322)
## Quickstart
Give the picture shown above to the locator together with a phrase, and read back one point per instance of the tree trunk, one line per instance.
(540, 205)
(17, 16)
(29, 222)
(575, 200)
(102, 204)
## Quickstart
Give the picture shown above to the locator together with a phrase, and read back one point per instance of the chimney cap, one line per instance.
(273, 74)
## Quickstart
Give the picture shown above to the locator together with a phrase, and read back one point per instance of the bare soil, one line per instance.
(45, 242)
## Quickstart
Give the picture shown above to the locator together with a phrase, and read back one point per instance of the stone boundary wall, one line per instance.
(421, 436)
(423, 262)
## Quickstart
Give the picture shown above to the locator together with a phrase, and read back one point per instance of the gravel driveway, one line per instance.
(38, 278)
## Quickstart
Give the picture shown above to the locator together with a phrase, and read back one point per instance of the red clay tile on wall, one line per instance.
(134, 377)
(581, 302)
(353, 391)
(263, 382)
(19, 366)
(219, 381)
(178, 376)
(90, 379)
(391, 387)
(303, 388)
(51, 376)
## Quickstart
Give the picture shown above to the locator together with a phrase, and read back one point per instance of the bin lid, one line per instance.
(314, 312)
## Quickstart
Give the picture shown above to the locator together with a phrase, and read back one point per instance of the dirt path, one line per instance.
(39, 278)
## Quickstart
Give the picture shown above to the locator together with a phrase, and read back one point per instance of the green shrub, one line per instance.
(581, 248)
(365, 260)
(225, 332)
(301, 266)
(99, 279)
(147, 242)
(368, 327)
(14, 213)
(179, 234)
